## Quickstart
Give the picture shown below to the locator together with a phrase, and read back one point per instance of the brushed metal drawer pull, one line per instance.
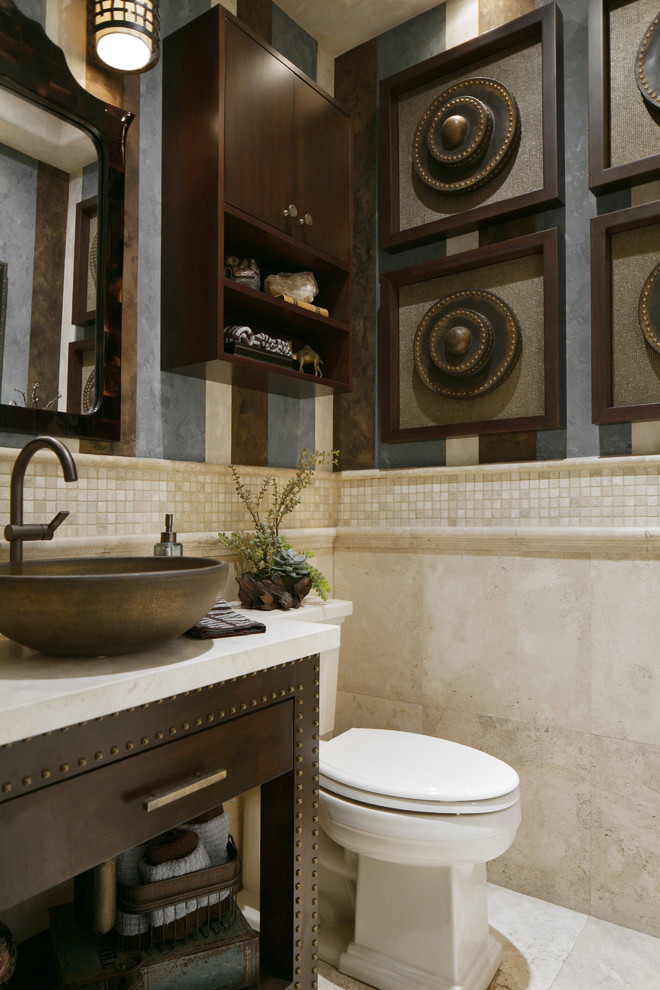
(198, 783)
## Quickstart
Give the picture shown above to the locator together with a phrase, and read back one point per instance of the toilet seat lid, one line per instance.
(407, 770)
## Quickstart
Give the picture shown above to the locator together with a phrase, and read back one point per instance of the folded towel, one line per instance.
(128, 872)
(212, 830)
(222, 620)
(174, 854)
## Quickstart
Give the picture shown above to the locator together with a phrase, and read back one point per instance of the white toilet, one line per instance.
(408, 825)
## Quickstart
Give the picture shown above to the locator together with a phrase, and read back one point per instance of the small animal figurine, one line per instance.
(307, 356)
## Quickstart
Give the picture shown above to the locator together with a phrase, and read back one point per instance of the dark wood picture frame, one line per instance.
(603, 408)
(3, 309)
(81, 314)
(602, 176)
(545, 243)
(78, 351)
(544, 25)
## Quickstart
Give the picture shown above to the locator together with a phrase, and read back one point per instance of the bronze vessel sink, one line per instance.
(103, 606)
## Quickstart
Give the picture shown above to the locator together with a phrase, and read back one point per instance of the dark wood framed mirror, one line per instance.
(60, 148)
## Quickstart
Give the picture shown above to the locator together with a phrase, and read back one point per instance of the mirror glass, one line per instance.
(48, 255)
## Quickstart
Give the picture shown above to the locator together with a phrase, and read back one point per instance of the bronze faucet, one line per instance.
(17, 531)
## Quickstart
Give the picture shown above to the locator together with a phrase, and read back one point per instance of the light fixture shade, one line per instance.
(126, 33)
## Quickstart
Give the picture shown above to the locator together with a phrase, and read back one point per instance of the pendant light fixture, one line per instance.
(125, 33)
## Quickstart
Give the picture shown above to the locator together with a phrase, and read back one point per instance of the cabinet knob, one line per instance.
(307, 220)
(291, 210)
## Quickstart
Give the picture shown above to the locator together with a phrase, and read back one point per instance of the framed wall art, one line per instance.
(470, 135)
(624, 93)
(625, 315)
(470, 343)
(85, 263)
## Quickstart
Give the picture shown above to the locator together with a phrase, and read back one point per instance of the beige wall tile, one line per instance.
(625, 845)
(625, 637)
(362, 711)
(508, 637)
(550, 856)
(381, 652)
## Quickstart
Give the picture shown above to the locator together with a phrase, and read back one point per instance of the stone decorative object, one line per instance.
(267, 595)
(243, 270)
(647, 63)
(298, 285)
(466, 344)
(466, 136)
(649, 309)
(306, 355)
(259, 341)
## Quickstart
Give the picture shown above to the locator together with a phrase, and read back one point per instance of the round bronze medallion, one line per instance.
(466, 136)
(647, 63)
(649, 309)
(466, 344)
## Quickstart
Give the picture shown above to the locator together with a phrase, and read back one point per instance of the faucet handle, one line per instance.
(54, 523)
(34, 531)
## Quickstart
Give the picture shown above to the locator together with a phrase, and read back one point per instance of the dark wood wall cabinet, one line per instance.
(257, 163)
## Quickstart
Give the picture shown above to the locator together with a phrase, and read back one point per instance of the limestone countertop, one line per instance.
(39, 693)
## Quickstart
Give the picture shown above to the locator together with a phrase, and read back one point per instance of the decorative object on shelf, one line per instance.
(452, 363)
(125, 33)
(297, 285)
(245, 271)
(305, 355)
(278, 576)
(649, 309)
(319, 310)
(466, 344)
(466, 136)
(244, 341)
(470, 135)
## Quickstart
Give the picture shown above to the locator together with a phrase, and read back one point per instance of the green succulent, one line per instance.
(290, 564)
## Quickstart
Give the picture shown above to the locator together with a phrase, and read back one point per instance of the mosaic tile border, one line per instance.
(120, 497)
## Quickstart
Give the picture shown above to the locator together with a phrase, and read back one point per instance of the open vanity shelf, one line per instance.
(245, 136)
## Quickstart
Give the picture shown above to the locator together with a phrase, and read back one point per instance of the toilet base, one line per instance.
(386, 973)
(400, 928)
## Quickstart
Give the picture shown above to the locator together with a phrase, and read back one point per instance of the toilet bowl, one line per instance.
(408, 823)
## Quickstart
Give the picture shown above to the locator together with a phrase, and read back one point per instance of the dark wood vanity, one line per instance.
(74, 797)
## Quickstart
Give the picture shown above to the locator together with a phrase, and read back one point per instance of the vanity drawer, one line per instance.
(54, 833)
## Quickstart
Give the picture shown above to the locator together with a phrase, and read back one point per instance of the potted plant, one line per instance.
(277, 576)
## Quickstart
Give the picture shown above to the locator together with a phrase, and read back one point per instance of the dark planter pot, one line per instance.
(278, 593)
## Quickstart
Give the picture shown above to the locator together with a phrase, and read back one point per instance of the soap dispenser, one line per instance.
(168, 546)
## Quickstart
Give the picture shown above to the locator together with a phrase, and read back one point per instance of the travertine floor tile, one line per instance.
(607, 955)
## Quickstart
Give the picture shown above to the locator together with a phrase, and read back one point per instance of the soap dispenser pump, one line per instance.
(168, 546)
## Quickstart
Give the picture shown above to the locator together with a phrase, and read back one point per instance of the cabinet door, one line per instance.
(259, 176)
(323, 165)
